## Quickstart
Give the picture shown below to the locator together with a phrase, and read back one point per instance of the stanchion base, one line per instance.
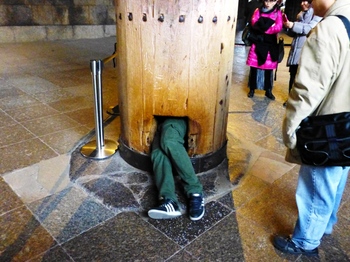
(89, 150)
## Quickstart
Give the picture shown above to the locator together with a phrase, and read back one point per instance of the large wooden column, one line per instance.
(175, 59)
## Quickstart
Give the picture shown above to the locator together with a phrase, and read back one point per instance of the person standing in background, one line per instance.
(263, 54)
(321, 87)
(305, 21)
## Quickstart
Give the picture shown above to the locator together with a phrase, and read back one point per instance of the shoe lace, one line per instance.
(196, 202)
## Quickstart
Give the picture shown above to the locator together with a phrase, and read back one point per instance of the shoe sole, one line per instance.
(297, 253)
(155, 214)
(197, 218)
(286, 251)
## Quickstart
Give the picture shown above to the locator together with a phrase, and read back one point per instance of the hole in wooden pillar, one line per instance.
(221, 48)
(120, 16)
(200, 19)
(130, 17)
(215, 19)
(144, 17)
(181, 18)
(161, 18)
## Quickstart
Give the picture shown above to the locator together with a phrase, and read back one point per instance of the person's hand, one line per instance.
(288, 24)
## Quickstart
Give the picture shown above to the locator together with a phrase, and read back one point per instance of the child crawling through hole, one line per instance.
(168, 152)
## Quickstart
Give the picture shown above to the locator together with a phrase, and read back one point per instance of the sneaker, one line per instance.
(168, 209)
(196, 209)
(286, 245)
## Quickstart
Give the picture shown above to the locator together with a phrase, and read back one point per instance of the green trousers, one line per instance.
(168, 152)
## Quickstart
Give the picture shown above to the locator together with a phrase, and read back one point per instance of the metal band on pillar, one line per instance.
(99, 148)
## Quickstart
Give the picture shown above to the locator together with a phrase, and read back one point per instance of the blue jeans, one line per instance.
(318, 196)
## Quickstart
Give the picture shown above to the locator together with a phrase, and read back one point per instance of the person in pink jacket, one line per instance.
(263, 54)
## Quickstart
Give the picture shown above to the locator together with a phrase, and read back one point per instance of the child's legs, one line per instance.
(163, 175)
(172, 143)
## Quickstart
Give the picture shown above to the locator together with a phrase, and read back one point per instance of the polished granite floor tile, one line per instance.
(8, 199)
(31, 112)
(107, 189)
(183, 231)
(83, 88)
(84, 116)
(40, 180)
(32, 85)
(7, 90)
(6, 120)
(256, 241)
(131, 239)
(16, 102)
(342, 233)
(219, 245)
(69, 213)
(47, 125)
(270, 167)
(72, 103)
(22, 236)
(265, 208)
(13, 134)
(55, 254)
(66, 140)
(24, 154)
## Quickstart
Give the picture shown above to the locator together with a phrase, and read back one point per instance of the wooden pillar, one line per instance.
(175, 59)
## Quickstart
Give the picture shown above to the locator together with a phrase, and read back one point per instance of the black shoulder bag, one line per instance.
(324, 140)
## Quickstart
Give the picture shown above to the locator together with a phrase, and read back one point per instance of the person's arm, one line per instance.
(304, 28)
(255, 16)
(277, 26)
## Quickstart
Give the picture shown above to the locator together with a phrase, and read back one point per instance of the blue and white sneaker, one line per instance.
(168, 209)
(196, 208)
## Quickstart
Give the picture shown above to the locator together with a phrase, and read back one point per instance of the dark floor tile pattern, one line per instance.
(22, 236)
(76, 211)
(132, 239)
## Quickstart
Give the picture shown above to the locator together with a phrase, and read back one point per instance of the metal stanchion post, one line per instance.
(99, 148)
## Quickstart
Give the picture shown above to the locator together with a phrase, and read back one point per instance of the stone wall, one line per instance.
(33, 20)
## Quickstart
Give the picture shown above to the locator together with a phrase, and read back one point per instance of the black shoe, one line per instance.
(251, 93)
(196, 208)
(168, 209)
(286, 245)
(268, 94)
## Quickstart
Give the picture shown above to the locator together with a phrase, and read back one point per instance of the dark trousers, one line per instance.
(260, 81)
(292, 72)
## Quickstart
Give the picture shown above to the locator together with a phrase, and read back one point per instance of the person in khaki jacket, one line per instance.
(321, 87)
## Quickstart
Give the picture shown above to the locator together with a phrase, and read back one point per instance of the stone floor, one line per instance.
(56, 205)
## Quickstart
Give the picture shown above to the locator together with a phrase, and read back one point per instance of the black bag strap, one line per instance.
(345, 22)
